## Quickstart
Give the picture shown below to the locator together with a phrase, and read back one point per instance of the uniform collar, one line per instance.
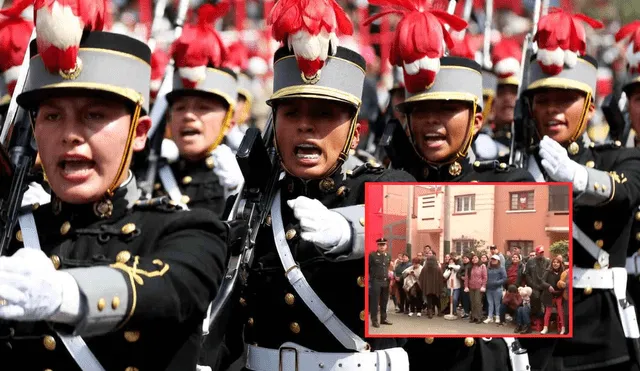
(206, 163)
(316, 188)
(446, 172)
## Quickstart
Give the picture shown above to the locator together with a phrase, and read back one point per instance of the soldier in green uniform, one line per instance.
(379, 283)
(133, 278)
(606, 182)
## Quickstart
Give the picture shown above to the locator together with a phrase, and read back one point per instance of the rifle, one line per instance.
(522, 127)
(619, 127)
(398, 146)
(157, 114)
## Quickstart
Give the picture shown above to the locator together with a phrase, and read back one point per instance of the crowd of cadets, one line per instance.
(413, 293)
(95, 274)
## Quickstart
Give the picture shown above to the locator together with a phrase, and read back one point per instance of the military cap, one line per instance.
(630, 33)
(506, 56)
(15, 33)
(381, 241)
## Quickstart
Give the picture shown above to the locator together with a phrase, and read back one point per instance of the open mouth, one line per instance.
(555, 124)
(189, 132)
(307, 151)
(76, 167)
(434, 138)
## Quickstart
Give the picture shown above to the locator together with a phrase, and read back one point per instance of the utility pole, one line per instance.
(409, 219)
(447, 217)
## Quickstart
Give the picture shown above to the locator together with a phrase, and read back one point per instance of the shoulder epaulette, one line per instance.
(491, 165)
(606, 145)
(367, 167)
(163, 203)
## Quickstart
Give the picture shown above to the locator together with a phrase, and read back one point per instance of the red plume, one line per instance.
(465, 48)
(561, 38)
(506, 56)
(310, 28)
(200, 46)
(159, 61)
(238, 59)
(418, 42)
(631, 32)
(59, 25)
(15, 33)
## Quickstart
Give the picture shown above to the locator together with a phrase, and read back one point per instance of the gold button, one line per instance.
(19, 235)
(131, 368)
(268, 220)
(210, 163)
(64, 229)
(294, 327)
(115, 303)
(597, 225)
(291, 233)
(503, 165)
(49, 342)
(289, 299)
(617, 143)
(362, 222)
(157, 186)
(55, 259)
(101, 304)
(123, 256)
(35, 206)
(596, 186)
(604, 188)
(638, 216)
(600, 243)
(638, 236)
(429, 340)
(341, 190)
(476, 164)
(327, 185)
(361, 281)
(596, 266)
(362, 316)
(250, 321)
(128, 228)
(132, 336)
(185, 199)
(243, 302)
(469, 342)
(588, 290)
(590, 164)
(349, 172)
(187, 179)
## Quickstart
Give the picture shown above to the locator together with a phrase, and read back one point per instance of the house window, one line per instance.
(525, 246)
(465, 203)
(461, 245)
(558, 198)
(521, 200)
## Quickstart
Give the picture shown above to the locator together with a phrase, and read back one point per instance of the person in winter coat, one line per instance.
(453, 282)
(552, 295)
(510, 303)
(412, 288)
(475, 285)
(496, 277)
(535, 271)
(514, 271)
(562, 284)
(462, 275)
(402, 295)
(430, 281)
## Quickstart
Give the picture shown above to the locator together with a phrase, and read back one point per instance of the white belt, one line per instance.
(293, 357)
(171, 185)
(610, 279)
(632, 265)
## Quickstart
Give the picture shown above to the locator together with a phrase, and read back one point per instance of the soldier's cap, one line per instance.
(381, 241)
(341, 78)
(109, 65)
(489, 83)
(630, 34)
(218, 82)
(459, 79)
(583, 76)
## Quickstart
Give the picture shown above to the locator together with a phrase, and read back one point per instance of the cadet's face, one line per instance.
(239, 116)
(311, 134)
(81, 143)
(504, 104)
(634, 108)
(382, 247)
(397, 97)
(195, 124)
(440, 127)
(557, 113)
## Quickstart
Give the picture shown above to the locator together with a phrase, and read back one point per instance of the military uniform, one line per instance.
(379, 284)
(603, 324)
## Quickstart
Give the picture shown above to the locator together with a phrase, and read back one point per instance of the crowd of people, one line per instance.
(484, 288)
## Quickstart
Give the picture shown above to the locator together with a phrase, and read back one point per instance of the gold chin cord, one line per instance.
(127, 149)
(344, 153)
(223, 129)
(583, 119)
(486, 112)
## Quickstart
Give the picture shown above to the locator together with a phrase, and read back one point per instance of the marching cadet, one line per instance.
(201, 108)
(506, 56)
(239, 62)
(396, 96)
(379, 283)
(442, 120)
(303, 302)
(133, 278)
(606, 192)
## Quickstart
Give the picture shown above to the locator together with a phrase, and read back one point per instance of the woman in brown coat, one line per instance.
(430, 282)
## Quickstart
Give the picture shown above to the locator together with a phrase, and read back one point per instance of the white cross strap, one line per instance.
(171, 185)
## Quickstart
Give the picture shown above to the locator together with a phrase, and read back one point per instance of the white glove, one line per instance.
(169, 150)
(325, 228)
(35, 194)
(33, 290)
(560, 167)
(485, 147)
(234, 138)
(227, 169)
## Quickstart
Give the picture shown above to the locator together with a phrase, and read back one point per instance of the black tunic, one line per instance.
(180, 256)
(598, 338)
(267, 310)
(471, 171)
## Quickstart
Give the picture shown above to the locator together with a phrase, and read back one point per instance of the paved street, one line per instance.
(405, 325)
